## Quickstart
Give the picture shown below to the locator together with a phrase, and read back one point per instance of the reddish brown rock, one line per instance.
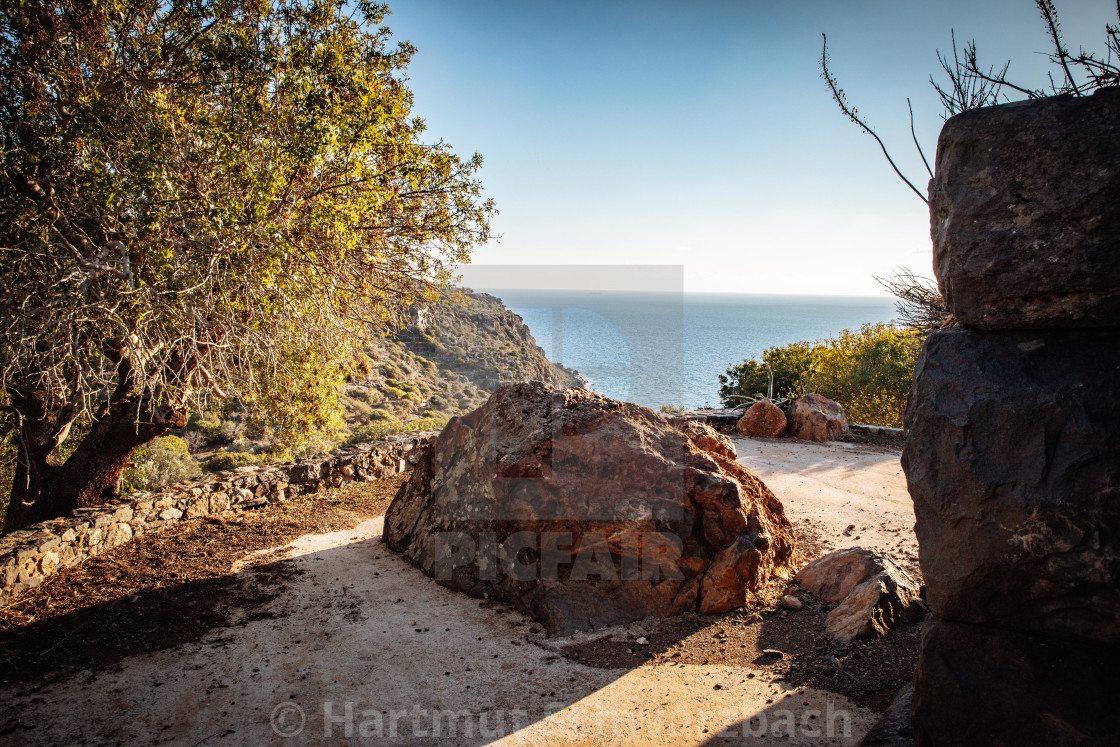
(816, 418)
(584, 512)
(763, 419)
(705, 437)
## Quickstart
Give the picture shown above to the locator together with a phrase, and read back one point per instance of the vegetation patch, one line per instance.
(868, 371)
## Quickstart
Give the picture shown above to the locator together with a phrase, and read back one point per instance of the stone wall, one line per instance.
(1012, 454)
(30, 555)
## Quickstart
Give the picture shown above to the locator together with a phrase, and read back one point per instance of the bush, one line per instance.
(378, 416)
(378, 431)
(869, 372)
(163, 461)
(360, 393)
(225, 460)
(211, 430)
(791, 365)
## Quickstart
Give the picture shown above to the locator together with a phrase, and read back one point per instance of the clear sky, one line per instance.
(700, 133)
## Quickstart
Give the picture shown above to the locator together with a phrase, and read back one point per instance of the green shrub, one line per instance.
(868, 371)
(361, 394)
(356, 409)
(225, 460)
(382, 415)
(377, 431)
(791, 365)
(163, 461)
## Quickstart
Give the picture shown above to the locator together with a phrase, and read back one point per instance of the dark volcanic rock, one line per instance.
(584, 512)
(1013, 461)
(1025, 214)
(816, 418)
(983, 687)
(893, 729)
(763, 419)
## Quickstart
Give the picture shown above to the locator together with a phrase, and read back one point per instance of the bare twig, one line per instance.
(851, 113)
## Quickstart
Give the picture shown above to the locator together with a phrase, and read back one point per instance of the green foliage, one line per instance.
(226, 460)
(160, 462)
(791, 365)
(377, 431)
(215, 197)
(868, 371)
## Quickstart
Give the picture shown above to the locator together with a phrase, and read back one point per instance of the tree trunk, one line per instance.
(44, 486)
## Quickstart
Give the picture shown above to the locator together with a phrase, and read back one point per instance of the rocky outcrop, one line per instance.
(875, 594)
(814, 417)
(763, 419)
(28, 556)
(1012, 463)
(584, 512)
(1014, 430)
(473, 334)
(1025, 216)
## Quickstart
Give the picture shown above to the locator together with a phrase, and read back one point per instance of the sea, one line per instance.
(660, 349)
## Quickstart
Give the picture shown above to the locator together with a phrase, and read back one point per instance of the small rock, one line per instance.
(642, 641)
(816, 418)
(763, 419)
(791, 602)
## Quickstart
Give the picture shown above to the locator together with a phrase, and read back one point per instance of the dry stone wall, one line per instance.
(30, 555)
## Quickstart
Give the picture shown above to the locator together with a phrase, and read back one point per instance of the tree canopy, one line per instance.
(204, 198)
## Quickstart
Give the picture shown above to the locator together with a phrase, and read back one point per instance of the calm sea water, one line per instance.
(669, 348)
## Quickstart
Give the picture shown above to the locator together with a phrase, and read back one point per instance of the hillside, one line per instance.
(447, 361)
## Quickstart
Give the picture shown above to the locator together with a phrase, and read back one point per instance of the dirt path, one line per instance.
(850, 493)
(361, 646)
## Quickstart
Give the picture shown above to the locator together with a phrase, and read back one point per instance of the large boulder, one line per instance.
(763, 419)
(1025, 216)
(1013, 463)
(815, 417)
(977, 685)
(582, 512)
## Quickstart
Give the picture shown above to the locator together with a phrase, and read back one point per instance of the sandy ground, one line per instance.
(852, 494)
(363, 647)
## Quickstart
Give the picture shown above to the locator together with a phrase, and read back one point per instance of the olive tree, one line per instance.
(202, 198)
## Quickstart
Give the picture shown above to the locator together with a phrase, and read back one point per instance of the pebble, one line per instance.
(791, 602)
(642, 641)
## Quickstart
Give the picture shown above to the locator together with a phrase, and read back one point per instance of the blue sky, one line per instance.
(700, 133)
